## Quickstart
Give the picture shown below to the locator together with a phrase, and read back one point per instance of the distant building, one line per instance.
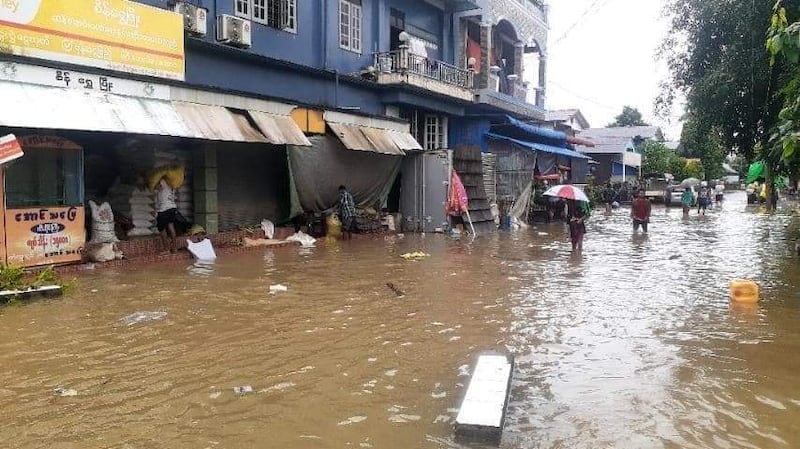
(567, 120)
(618, 151)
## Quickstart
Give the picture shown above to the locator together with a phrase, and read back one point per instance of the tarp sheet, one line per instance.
(755, 172)
(318, 171)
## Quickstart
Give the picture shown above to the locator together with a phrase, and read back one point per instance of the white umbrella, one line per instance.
(567, 192)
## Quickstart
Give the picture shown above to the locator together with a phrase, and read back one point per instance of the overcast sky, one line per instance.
(601, 57)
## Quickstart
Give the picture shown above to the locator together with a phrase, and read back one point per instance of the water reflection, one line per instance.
(632, 343)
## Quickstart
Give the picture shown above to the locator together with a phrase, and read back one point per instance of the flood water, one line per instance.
(632, 345)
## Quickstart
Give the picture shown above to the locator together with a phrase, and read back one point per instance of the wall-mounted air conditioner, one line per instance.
(234, 31)
(194, 17)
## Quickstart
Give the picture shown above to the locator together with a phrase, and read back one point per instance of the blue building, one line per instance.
(276, 102)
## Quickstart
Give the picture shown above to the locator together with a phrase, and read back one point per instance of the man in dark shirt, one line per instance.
(640, 211)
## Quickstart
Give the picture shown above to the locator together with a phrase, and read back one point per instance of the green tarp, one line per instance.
(755, 172)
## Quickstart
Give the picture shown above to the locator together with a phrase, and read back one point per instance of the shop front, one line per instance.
(43, 204)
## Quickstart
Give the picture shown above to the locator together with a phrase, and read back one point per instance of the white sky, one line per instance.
(604, 60)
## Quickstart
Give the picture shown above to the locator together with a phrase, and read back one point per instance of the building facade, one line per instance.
(267, 105)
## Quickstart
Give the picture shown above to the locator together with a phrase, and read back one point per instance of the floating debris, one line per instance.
(277, 288)
(352, 420)
(244, 389)
(142, 317)
(64, 392)
(416, 255)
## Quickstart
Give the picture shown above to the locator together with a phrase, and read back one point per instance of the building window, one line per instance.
(279, 14)
(435, 137)
(45, 177)
(350, 25)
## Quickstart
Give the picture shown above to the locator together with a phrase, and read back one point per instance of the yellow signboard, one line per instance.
(117, 35)
(44, 235)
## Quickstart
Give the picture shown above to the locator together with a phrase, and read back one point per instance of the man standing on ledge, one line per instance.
(347, 212)
(640, 211)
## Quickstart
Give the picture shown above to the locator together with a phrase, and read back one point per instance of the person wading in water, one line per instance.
(640, 212)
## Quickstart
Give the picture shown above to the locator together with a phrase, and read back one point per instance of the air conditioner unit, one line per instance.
(233, 31)
(194, 17)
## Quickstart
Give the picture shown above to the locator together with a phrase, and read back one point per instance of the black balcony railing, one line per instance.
(403, 61)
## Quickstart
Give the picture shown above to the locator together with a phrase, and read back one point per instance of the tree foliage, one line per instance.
(660, 159)
(783, 48)
(628, 117)
(716, 59)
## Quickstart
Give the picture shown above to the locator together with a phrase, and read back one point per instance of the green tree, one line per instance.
(656, 157)
(703, 142)
(716, 58)
(783, 48)
(629, 117)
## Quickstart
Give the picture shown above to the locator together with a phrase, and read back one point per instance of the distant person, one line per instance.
(640, 211)
(703, 199)
(609, 196)
(719, 191)
(576, 218)
(347, 212)
(686, 200)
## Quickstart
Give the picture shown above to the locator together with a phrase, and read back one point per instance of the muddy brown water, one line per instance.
(632, 345)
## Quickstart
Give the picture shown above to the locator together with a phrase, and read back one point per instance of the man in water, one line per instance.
(577, 224)
(609, 196)
(640, 211)
(347, 212)
(703, 200)
(167, 217)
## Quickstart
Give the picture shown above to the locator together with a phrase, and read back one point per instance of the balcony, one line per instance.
(511, 95)
(403, 67)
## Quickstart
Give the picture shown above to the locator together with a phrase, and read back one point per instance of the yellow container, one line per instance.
(744, 291)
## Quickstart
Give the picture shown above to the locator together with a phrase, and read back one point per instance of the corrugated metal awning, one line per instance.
(34, 106)
(360, 138)
(279, 129)
(217, 123)
(405, 141)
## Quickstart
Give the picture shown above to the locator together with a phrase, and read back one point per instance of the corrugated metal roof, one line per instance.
(361, 138)
(279, 129)
(217, 123)
(37, 106)
(540, 146)
(405, 141)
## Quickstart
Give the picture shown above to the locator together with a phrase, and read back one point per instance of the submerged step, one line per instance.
(482, 412)
(43, 291)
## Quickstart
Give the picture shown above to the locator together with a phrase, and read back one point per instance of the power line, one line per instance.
(580, 18)
(582, 97)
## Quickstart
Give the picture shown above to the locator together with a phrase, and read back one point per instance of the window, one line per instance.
(279, 14)
(435, 137)
(45, 177)
(350, 25)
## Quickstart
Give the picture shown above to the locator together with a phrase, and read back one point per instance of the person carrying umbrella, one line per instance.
(577, 212)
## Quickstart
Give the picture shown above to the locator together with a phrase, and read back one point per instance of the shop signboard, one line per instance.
(10, 148)
(44, 235)
(119, 35)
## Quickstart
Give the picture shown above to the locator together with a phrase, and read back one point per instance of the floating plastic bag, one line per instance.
(244, 389)
(303, 238)
(278, 288)
(268, 227)
(142, 317)
(334, 226)
(202, 250)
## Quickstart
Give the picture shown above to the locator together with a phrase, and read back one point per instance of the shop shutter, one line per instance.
(253, 185)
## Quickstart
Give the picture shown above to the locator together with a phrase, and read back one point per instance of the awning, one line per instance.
(518, 129)
(376, 140)
(374, 134)
(279, 129)
(217, 123)
(539, 146)
(35, 106)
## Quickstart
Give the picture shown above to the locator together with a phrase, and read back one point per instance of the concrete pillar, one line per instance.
(206, 213)
(540, 92)
(460, 42)
(486, 50)
(519, 54)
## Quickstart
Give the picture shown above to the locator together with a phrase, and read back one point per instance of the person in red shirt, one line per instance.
(640, 211)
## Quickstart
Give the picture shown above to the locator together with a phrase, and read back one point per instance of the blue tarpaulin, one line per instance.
(539, 146)
(526, 132)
